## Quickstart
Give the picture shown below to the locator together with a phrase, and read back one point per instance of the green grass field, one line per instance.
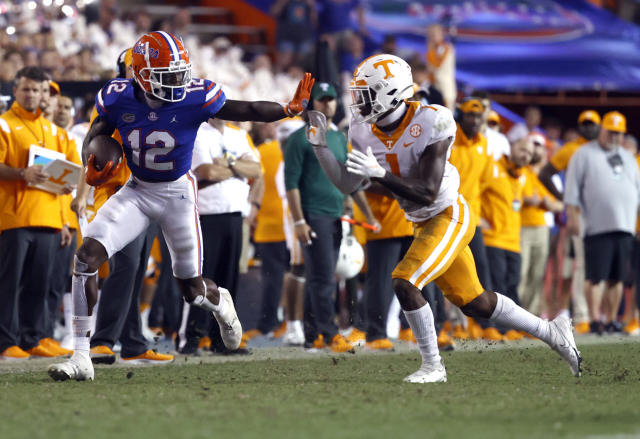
(526, 391)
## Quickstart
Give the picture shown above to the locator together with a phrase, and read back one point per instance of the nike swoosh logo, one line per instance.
(406, 145)
(19, 128)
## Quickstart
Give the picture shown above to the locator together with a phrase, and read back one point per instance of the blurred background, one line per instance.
(562, 56)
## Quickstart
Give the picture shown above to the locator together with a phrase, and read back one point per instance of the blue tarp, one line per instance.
(520, 45)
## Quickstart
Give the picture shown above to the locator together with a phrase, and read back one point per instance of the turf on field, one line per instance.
(505, 393)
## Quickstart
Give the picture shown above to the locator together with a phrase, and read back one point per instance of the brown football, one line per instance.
(105, 149)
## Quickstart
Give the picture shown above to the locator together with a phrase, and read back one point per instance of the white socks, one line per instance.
(204, 303)
(510, 315)
(421, 322)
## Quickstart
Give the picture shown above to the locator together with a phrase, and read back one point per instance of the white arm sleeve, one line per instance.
(346, 182)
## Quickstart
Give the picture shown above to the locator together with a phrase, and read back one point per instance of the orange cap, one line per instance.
(614, 121)
(471, 106)
(494, 116)
(590, 115)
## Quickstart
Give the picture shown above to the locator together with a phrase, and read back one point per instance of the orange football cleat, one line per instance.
(204, 343)
(582, 328)
(357, 337)
(474, 329)
(149, 357)
(445, 342)
(512, 335)
(280, 330)
(40, 351)
(460, 333)
(406, 335)
(54, 346)
(14, 353)
(251, 333)
(381, 344)
(340, 344)
(491, 334)
(633, 327)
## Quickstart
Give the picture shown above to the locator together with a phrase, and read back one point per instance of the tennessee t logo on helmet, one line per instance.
(385, 64)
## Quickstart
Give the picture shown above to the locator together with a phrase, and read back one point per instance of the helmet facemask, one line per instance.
(167, 83)
(366, 107)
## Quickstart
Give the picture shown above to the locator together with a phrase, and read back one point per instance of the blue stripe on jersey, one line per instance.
(172, 45)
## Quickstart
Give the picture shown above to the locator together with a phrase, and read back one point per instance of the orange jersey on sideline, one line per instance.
(20, 205)
(534, 216)
(270, 224)
(560, 159)
(501, 203)
(471, 158)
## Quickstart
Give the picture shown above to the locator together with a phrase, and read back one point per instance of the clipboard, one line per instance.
(61, 171)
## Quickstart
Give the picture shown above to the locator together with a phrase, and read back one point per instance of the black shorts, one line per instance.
(607, 256)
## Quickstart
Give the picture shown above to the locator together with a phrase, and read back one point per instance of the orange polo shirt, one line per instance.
(560, 159)
(501, 202)
(270, 224)
(533, 216)
(20, 205)
(471, 159)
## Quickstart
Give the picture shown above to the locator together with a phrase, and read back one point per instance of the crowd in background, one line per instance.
(524, 186)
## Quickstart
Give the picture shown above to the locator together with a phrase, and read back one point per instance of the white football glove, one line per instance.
(365, 165)
(316, 128)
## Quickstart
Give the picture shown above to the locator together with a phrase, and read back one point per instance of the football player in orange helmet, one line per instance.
(158, 113)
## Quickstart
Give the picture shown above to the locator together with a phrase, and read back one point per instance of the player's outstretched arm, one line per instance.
(265, 111)
(336, 172)
(423, 190)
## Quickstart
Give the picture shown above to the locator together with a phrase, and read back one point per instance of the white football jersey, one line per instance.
(399, 152)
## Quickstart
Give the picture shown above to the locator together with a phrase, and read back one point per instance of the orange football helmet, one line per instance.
(161, 66)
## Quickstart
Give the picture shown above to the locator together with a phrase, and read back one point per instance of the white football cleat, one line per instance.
(294, 335)
(428, 373)
(78, 367)
(230, 327)
(563, 343)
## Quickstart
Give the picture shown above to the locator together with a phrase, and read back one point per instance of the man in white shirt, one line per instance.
(224, 159)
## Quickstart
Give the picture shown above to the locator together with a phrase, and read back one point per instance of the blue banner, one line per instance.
(521, 45)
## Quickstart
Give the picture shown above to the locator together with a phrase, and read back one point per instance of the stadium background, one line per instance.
(563, 56)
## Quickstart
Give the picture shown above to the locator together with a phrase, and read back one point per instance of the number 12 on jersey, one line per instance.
(157, 144)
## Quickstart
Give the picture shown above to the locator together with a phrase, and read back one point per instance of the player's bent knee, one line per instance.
(480, 307)
(405, 291)
(90, 256)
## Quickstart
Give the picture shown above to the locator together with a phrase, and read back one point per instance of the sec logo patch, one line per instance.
(415, 130)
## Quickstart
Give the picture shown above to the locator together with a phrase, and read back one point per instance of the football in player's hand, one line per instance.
(104, 149)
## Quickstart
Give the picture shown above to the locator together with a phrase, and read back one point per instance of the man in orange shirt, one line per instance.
(501, 204)
(537, 201)
(30, 220)
(589, 128)
(472, 158)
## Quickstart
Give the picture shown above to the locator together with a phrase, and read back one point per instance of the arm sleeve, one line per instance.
(336, 172)
(573, 181)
